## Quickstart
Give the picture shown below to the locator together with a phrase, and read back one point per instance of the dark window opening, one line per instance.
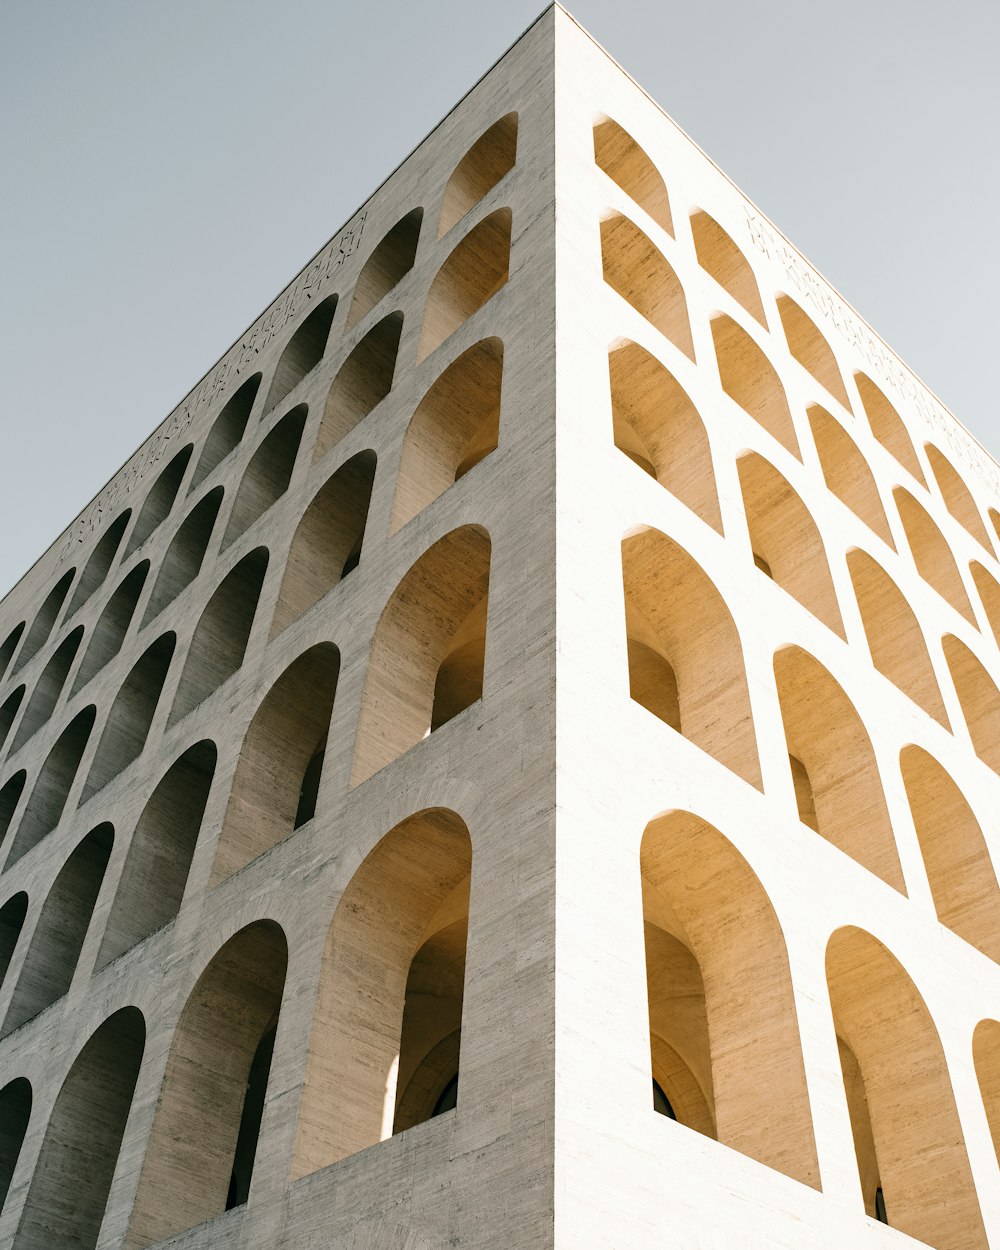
(253, 1113)
(447, 1099)
(661, 1103)
(309, 793)
(880, 1214)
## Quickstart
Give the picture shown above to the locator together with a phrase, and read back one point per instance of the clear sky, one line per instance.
(167, 168)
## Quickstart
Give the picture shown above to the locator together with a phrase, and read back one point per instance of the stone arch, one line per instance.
(685, 657)
(220, 638)
(10, 796)
(15, 1111)
(109, 633)
(837, 771)
(160, 500)
(847, 473)
(636, 268)
(888, 426)
(44, 808)
(195, 1144)
(480, 169)
(721, 997)
(45, 619)
(428, 654)
(986, 1056)
(100, 561)
(979, 697)
(326, 546)
(9, 646)
(390, 261)
(8, 712)
(227, 430)
(61, 929)
(959, 868)
(810, 348)
(658, 427)
(362, 382)
(476, 268)
(988, 589)
(278, 765)
(722, 260)
(183, 560)
(159, 856)
(455, 425)
(931, 553)
(64, 1208)
(750, 380)
(902, 1105)
(48, 688)
(12, 915)
(787, 545)
(957, 496)
(131, 715)
(302, 353)
(267, 475)
(627, 164)
(895, 639)
(406, 907)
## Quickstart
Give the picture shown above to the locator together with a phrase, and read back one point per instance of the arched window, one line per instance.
(46, 618)
(278, 765)
(200, 1155)
(362, 382)
(131, 715)
(907, 1133)
(9, 646)
(160, 500)
(388, 264)
(825, 736)
(684, 651)
(980, 699)
(267, 475)
(957, 496)
(480, 169)
(658, 427)
(10, 796)
(386, 1035)
(101, 558)
(112, 626)
(48, 688)
(636, 268)
(82, 1139)
(160, 853)
(182, 563)
(811, 349)
(784, 536)
(721, 1008)
(846, 472)
(15, 1111)
(327, 542)
(8, 712)
(44, 809)
(888, 426)
(427, 655)
(12, 915)
(456, 424)
(895, 638)
(227, 430)
(302, 353)
(219, 641)
(472, 274)
(59, 935)
(750, 380)
(933, 557)
(722, 260)
(625, 162)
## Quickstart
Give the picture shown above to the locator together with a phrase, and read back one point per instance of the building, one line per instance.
(557, 643)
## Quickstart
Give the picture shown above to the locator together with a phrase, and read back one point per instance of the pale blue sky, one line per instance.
(168, 167)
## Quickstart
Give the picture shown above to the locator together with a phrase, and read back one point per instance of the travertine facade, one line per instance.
(558, 642)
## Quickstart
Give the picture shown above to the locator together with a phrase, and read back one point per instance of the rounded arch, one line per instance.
(455, 425)
(722, 260)
(833, 764)
(12, 915)
(100, 561)
(888, 426)
(931, 553)
(636, 268)
(658, 427)
(227, 430)
(15, 1112)
(475, 269)
(684, 652)
(627, 164)
(847, 473)
(44, 808)
(895, 639)
(48, 688)
(9, 710)
(362, 382)
(183, 560)
(428, 654)
(720, 993)
(9, 646)
(327, 543)
(108, 634)
(267, 475)
(906, 1128)
(276, 785)
(44, 622)
(83, 1138)
(957, 497)
(752, 382)
(302, 353)
(160, 500)
(810, 348)
(407, 907)
(390, 261)
(786, 542)
(979, 698)
(480, 169)
(204, 1136)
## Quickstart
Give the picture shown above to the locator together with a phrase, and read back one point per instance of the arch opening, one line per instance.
(48, 688)
(627, 164)
(227, 430)
(362, 382)
(8, 712)
(44, 808)
(809, 347)
(15, 1111)
(888, 426)
(931, 553)
(160, 500)
(751, 381)
(9, 646)
(957, 497)
(390, 262)
(846, 472)
(45, 619)
(636, 268)
(480, 169)
(182, 563)
(979, 699)
(12, 916)
(475, 269)
(267, 475)
(722, 260)
(100, 561)
(112, 626)
(302, 353)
